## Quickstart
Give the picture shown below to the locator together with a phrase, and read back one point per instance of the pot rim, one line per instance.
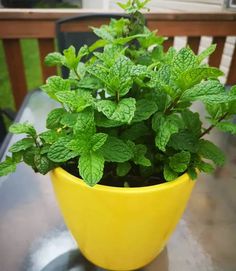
(163, 186)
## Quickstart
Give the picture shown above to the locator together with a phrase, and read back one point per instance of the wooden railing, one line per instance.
(40, 25)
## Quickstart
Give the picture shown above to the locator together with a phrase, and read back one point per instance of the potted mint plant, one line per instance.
(124, 148)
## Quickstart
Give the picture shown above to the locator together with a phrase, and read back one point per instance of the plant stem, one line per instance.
(75, 71)
(173, 104)
(213, 125)
(117, 97)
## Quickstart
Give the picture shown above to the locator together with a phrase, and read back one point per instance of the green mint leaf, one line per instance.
(58, 151)
(183, 61)
(97, 44)
(210, 151)
(151, 39)
(205, 167)
(184, 140)
(90, 83)
(76, 74)
(22, 128)
(122, 41)
(98, 70)
(55, 84)
(194, 76)
(216, 111)
(71, 60)
(44, 149)
(169, 174)
(103, 121)
(103, 32)
(208, 92)
(28, 156)
(116, 150)
(22, 144)
(17, 156)
(8, 166)
(119, 27)
(110, 54)
(76, 101)
(179, 162)
(122, 112)
(133, 6)
(144, 110)
(91, 167)
(123, 169)
(135, 131)
(54, 118)
(69, 119)
(165, 127)
(85, 122)
(160, 98)
(80, 145)
(204, 54)
(139, 156)
(138, 70)
(98, 140)
(192, 121)
(119, 78)
(227, 127)
(161, 80)
(139, 152)
(192, 173)
(83, 51)
(43, 164)
(53, 59)
(49, 136)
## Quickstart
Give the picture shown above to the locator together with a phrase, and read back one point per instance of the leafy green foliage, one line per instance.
(206, 52)
(123, 169)
(126, 109)
(179, 162)
(55, 58)
(59, 153)
(227, 127)
(7, 166)
(54, 118)
(169, 174)
(210, 151)
(55, 84)
(116, 150)
(91, 167)
(122, 111)
(22, 145)
(165, 126)
(144, 110)
(22, 128)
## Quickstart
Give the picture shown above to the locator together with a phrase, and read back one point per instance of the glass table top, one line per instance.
(33, 236)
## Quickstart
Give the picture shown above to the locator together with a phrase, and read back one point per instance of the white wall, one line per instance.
(97, 4)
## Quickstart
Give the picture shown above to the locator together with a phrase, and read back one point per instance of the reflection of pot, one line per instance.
(121, 228)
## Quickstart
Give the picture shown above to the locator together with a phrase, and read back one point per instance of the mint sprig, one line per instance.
(126, 109)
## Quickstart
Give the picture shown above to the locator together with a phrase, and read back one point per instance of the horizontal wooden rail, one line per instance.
(18, 24)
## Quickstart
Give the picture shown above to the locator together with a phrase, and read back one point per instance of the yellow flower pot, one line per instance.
(120, 228)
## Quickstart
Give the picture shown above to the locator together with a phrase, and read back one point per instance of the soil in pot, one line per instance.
(133, 179)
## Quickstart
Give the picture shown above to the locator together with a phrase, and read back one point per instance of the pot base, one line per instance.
(135, 267)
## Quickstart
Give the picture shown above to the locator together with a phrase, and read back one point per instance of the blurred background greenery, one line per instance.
(32, 69)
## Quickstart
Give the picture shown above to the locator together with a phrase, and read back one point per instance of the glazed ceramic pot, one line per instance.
(120, 228)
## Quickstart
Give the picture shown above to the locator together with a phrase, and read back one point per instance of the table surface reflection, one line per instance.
(33, 236)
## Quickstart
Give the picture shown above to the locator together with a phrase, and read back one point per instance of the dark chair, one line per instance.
(9, 114)
(68, 31)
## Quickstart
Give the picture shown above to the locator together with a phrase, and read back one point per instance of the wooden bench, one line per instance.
(40, 24)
